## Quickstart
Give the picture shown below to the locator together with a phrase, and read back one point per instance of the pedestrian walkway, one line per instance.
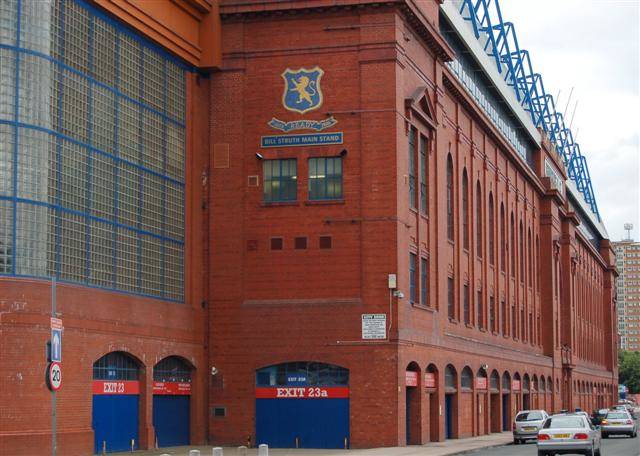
(449, 447)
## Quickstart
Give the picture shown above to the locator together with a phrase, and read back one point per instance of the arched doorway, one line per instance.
(516, 389)
(535, 394)
(413, 404)
(116, 402)
(526, 392)
(431, 390)
(494, 390)
(171, 401)
(302, 404)
(450, 402)
(542, 393)
(482, 401)
(506, 401)
(465, 404)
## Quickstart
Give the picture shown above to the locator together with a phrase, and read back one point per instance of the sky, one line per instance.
(592, 46)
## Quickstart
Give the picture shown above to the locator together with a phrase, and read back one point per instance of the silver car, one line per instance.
(527, 425)
(568, 433)
(618, 422)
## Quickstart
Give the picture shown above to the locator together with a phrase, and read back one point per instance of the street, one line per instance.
(613, 446)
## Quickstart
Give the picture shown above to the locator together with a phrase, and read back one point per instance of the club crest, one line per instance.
(302, 91)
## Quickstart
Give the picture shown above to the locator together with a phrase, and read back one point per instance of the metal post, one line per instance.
(54, 443)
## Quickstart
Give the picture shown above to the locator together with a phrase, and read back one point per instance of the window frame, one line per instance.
(280, 180)
(413, 264)
(413, 132)
(450, 200)
(424, 174)
(424, 278)
(327, 179)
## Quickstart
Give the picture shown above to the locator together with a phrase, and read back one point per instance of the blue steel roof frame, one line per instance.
(514, 64)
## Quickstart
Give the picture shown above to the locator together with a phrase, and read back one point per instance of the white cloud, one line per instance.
(593, 46)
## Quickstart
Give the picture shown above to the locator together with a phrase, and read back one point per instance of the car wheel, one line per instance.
(542, 453)
(516, 442)
(604, 436)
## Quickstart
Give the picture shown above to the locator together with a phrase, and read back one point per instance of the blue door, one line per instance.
(115, 422)
(505, 411)
(448, 416)
(309, 423)
(171, 419)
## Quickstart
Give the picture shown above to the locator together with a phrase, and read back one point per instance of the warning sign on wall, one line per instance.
(374, 326)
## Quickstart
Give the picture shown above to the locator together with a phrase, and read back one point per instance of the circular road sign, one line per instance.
(54, 376)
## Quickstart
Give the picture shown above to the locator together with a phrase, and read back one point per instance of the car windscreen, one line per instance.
(529, 416)
(564, 422)
(617, 416)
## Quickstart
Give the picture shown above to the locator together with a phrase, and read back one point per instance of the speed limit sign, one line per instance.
(54, 376)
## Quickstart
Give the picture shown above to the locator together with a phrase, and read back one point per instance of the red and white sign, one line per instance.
(116, 387)
(411, 378)
(429, 380)
(303, 392)
(56, 323)
(515, 385)
(54, 376)
(172, 388)
(481, 383)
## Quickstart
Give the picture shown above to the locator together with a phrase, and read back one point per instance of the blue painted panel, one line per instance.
(317, 423)
(115, 421)
(505, 409)
(448, 416)
(171, 420)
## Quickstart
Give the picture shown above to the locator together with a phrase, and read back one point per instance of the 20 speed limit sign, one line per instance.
(54, 376)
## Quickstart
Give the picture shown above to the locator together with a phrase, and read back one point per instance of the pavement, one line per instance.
(449, 447)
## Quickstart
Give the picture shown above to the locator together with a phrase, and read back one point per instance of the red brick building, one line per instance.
(307, 223)
(506, 273)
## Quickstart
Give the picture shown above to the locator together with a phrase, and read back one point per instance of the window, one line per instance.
(480, 307)
(503, 241)
(530, 256)
(505, 317)
(451, 311)
(465, 210)
(423, 281)
(280, 180)
(514, 325)
(412, 168)
(413, 293)
(325, 178)
(300, 243)
(325, 242)
(492, 313)
(512, 246)
(467, 313)
(424, 167)
(523, 326)
(450, 199)
(478, 220)
(492, 255)
(466, 378)
(276, 243)
(521, 252)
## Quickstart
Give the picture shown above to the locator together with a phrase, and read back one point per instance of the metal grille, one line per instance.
(92, 151)
(115, 366)
(172, 369)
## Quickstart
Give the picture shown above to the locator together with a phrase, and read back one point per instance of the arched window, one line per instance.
(506, 382)
(466, 379)
(512, 246)
(503, 240)
(494, 382)
(450, 198)
(303, 373)
(478, 219)
(521, 252)
(543, 384)
(116, 366)
(530, 256)
(450, 377)
(492, 256)
(465, 210)
(172, 369)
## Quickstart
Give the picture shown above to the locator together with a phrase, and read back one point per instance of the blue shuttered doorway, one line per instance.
(171, 420)
(115, 422)
(316, 423)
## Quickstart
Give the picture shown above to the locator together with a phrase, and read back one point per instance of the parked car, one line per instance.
(568, 433)
(598, 415)
(527, 425)
(619, 422)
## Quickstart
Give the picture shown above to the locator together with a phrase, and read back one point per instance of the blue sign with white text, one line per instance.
(315, 139)
(56, 345)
